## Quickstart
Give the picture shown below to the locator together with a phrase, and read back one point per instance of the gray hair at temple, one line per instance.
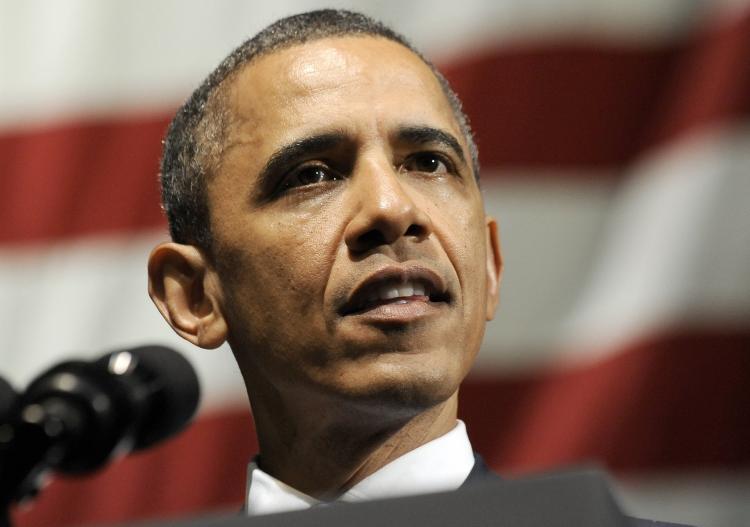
(195, 138)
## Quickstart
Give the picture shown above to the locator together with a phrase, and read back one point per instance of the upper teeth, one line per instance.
(389, 291)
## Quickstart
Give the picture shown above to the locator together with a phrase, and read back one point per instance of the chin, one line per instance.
(399, 390)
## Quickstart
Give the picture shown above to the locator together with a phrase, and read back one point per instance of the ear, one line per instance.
(187, 293)
(494, 266)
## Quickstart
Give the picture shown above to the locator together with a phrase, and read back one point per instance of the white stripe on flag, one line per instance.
(677, 246)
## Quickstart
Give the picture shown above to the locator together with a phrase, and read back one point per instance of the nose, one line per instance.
(385, 211)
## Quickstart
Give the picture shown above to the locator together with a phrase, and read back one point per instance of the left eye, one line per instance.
(307, 175)
(426, 162)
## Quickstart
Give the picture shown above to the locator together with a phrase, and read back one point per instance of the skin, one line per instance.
(336, 393)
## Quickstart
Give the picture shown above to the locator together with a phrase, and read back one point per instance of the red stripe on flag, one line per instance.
(593, 105)
(710, 82)
(78, 179)
(678, 401)
(674, 401)
(561, 106)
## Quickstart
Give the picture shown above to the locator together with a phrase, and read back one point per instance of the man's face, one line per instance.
(349, 232)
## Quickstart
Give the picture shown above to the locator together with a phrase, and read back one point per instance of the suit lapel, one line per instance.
(479, 472)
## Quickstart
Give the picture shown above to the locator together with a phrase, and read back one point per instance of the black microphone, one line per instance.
(8, 398)
(77, 415)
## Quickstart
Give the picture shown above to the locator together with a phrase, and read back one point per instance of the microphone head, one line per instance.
(174, 393)
(124, 401)
(85, 412)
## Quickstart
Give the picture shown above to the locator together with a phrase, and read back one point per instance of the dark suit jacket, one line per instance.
(481, 472)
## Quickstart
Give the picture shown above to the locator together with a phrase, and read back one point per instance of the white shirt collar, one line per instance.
(440, 465)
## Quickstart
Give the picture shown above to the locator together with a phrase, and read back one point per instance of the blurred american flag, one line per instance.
(614, 138)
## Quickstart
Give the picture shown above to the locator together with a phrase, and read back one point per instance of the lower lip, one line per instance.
(401, 311)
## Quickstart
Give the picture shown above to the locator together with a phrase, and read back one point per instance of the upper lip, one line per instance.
(433, 283)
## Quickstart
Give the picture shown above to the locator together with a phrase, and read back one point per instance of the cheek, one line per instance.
(460, 225)
(278, 270)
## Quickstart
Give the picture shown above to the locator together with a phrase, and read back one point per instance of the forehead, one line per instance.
(350, 83)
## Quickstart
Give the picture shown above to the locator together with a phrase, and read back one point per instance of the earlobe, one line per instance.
(185, 291)
(494, 266)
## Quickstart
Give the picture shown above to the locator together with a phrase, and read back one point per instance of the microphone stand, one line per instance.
(27, 447)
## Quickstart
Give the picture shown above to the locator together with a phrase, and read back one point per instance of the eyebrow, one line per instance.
(291, 154)
(422, 135)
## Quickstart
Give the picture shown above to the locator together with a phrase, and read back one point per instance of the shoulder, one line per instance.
(481, 473)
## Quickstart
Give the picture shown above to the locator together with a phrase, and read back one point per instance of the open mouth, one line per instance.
(393, 286)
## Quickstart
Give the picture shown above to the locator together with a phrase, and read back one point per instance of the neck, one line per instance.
(323, 454)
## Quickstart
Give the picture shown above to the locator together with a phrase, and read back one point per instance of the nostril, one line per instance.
(415, 230)
(372, 238)
(377, 237)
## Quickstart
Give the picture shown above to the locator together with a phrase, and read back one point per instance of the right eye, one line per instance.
(312, 174)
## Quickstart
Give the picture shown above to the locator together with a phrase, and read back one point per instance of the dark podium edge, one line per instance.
(577, 498)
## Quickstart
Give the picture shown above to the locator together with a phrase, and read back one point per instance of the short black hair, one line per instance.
(195, 137)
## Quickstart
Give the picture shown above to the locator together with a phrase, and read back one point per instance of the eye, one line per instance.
(309, 175)
(428, 163)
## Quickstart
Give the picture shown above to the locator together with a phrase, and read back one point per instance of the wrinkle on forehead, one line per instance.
(283, 86)
(330, 63)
